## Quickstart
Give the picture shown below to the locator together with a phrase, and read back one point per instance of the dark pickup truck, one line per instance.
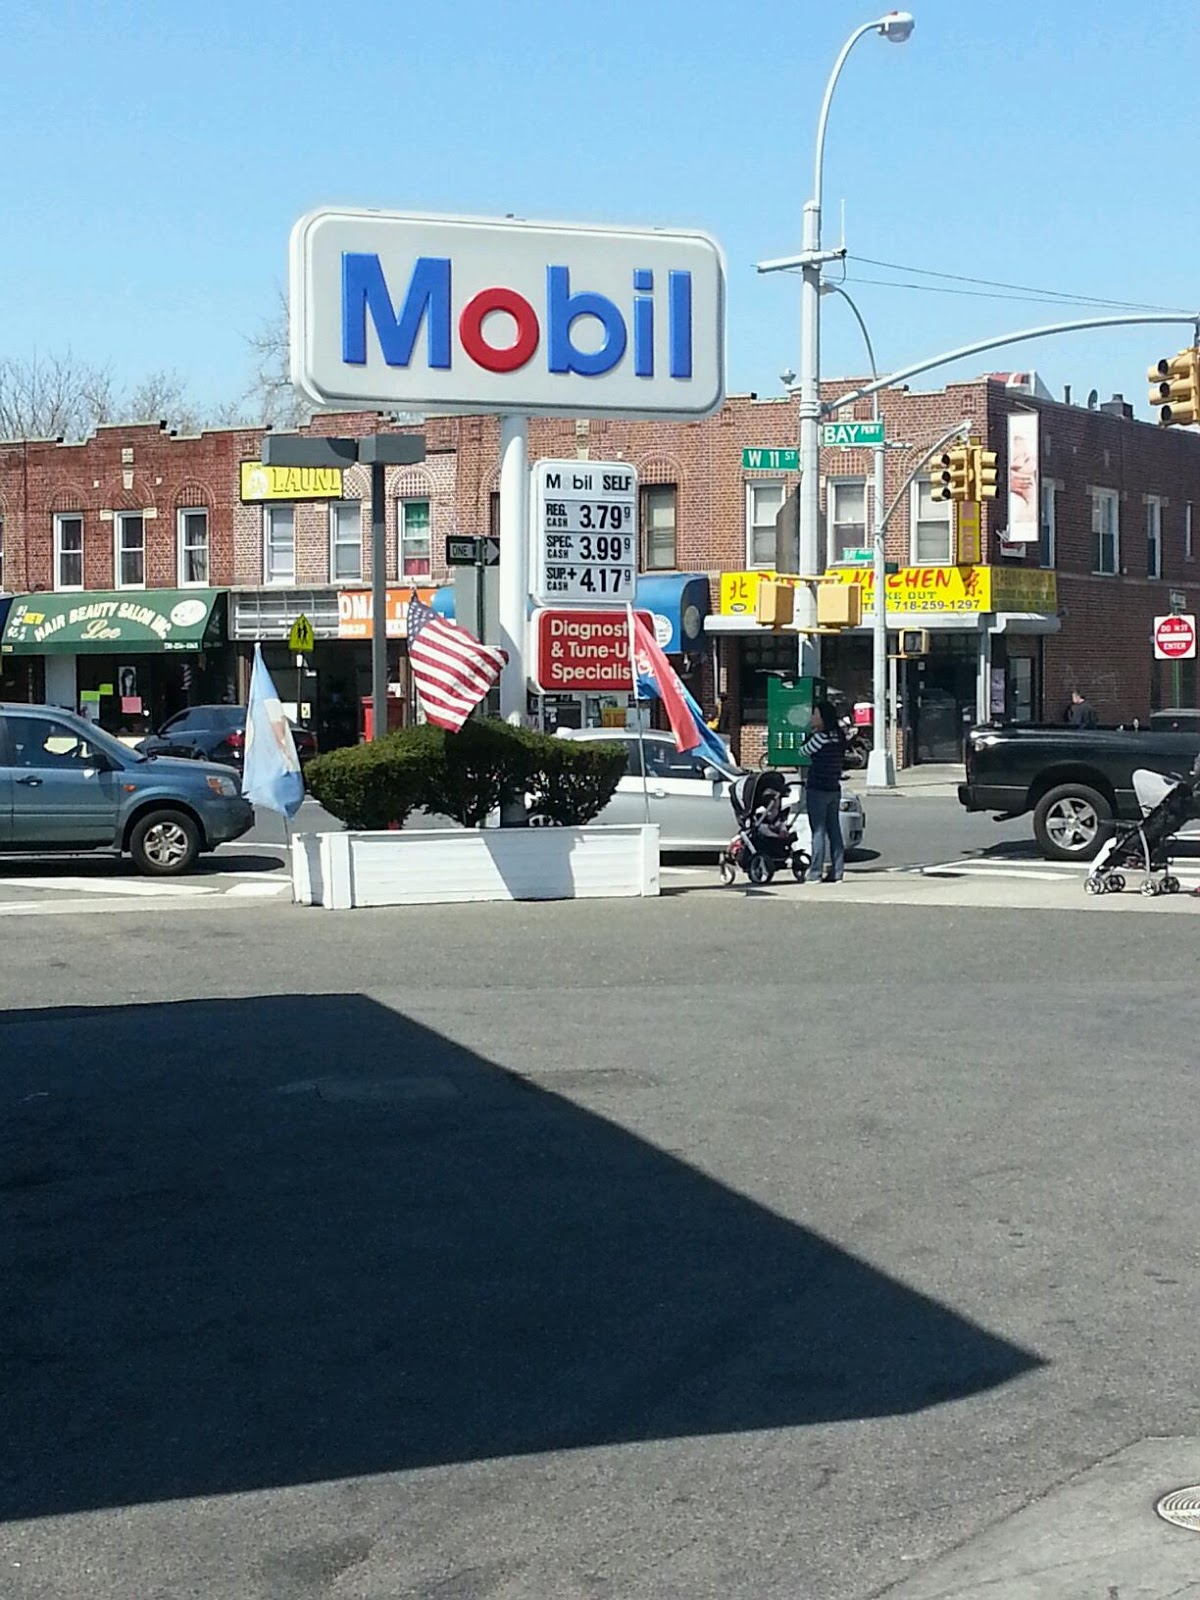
(1074, 780)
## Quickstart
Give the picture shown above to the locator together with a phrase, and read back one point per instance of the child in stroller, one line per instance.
(764, 841)
(1166, 803)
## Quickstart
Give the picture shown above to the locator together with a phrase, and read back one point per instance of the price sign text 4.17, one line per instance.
(587, 534)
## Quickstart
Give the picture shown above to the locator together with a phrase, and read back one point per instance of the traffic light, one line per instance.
(776, 603)
(984, 473)
(1175, 389)
(940, 477)
(961, 486)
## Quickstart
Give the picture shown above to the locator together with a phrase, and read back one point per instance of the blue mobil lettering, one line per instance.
(428, 302)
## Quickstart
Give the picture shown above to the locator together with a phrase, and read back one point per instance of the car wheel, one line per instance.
(164, 843)
(1070, 822)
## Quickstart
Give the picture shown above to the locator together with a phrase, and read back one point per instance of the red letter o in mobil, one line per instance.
(470, 330)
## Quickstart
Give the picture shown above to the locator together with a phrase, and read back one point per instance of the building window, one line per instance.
(345, 540)
(68, 550)
(846, 503)
(193, 548)
(764, 502)
(1154, 507)
(1047, 545)
(1188, 550)
(763, 655)
(932, 529)
(279, 539)
(413, 520)
(1106, 531)
(131, 550)
(658, 520)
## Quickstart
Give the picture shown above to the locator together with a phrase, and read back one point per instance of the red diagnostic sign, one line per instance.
(584, 652)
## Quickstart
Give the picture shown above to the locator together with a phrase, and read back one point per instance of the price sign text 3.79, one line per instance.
(586, 532)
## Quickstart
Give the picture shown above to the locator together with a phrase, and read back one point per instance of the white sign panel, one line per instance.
(461, 313)
(585, 532)
(1024, 479)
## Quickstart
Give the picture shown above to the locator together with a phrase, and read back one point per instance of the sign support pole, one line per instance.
(378, 600)
(515, 536)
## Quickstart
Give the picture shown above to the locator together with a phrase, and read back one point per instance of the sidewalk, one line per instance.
(937, 781)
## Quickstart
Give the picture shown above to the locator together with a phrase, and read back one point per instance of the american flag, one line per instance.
(452, 670)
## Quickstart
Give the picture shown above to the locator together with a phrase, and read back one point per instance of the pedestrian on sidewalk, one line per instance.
(1080, 713)
(825, 748)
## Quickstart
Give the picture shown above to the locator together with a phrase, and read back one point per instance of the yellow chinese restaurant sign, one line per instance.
(917, 591)
(290, 483)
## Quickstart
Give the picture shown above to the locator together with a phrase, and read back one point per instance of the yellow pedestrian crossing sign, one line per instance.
(302, 638)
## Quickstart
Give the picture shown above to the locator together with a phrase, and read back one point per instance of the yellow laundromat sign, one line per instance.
(290, 483)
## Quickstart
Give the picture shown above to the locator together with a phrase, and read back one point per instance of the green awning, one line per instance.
(96, 622)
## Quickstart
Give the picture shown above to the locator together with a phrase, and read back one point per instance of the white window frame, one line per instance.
(1101, 497)
(120, 518)
(1189, 551)
(914, 510)
(1154, 504)
(59, 518)
(660, 489)
(833, 489)
(402, 506)
(335, 544)
(269, 512)
(1049, 493)
(753, 487)
(182, 513)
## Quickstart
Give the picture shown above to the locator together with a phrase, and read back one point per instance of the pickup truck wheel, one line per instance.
(1071, 822)
(164, 843)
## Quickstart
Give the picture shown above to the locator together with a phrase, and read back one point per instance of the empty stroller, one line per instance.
(1166, 804)
(765, 841)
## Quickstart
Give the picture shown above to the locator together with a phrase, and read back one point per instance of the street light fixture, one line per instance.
(896, 26)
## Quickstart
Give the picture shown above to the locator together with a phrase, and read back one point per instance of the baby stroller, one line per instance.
(1166, 804)
(764, 842)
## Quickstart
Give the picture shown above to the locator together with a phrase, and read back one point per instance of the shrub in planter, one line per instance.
(570, 784)
(471, 773)
(370, 786)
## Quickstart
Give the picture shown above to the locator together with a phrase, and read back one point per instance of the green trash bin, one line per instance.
(789, 712)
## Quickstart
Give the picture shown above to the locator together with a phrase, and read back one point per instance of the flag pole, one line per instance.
(633, 679)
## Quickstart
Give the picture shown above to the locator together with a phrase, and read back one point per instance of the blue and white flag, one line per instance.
(271, 769)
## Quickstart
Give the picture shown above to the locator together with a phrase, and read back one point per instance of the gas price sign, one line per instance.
(586, 532)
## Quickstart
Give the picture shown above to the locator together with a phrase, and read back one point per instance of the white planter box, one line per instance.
(441, 866)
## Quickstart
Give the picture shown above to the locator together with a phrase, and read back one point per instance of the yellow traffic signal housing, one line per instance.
(984, 473)
(939, 476)
(912, 642)
(1175, 389)
(776, 603)
(961, 487)
(839, 605)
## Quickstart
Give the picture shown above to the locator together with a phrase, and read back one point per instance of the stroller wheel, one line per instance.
(1171, 885)
(1094, 885)
(759, 870)
(800, 865)
(1116, 882)
(728, 869)
(1149, 887)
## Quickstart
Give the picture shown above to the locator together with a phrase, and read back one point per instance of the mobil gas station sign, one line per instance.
(460, 313)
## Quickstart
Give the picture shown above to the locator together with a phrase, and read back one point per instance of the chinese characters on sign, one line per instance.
(587, 532)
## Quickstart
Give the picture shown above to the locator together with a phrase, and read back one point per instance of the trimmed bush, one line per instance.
(570, 783)
(465, 776)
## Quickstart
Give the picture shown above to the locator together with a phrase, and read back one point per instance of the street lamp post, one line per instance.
(896, 26)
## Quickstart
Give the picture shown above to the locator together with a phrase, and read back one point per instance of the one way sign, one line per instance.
(473, 550)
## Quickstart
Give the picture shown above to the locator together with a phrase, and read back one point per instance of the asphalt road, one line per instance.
(705, 1247)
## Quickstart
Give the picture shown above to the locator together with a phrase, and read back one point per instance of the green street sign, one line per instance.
(858, 555)
(770, 460)
(852, 435)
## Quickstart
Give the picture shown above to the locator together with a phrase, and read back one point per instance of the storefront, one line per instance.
(127, 660)
(984, 628)
(329, 691)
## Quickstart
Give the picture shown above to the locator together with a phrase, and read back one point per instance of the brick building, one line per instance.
(109, 542)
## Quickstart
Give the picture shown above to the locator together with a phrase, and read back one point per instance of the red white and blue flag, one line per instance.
(451, 669)
(654, 678)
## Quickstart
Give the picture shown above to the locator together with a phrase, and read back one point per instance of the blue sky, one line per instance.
(158, 153)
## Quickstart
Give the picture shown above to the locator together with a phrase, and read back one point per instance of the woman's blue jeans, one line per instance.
(824, 817)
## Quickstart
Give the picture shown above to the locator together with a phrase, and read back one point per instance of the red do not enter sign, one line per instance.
(1175, 638)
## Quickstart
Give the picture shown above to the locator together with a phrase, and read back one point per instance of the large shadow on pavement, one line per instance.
(254, 1243)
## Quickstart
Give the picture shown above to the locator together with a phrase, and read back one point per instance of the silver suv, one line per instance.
(65, 785)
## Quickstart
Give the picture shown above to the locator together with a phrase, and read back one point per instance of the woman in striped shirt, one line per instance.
(825, 748)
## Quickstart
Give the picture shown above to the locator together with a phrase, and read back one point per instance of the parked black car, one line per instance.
(214, 733)
(1074, 780)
